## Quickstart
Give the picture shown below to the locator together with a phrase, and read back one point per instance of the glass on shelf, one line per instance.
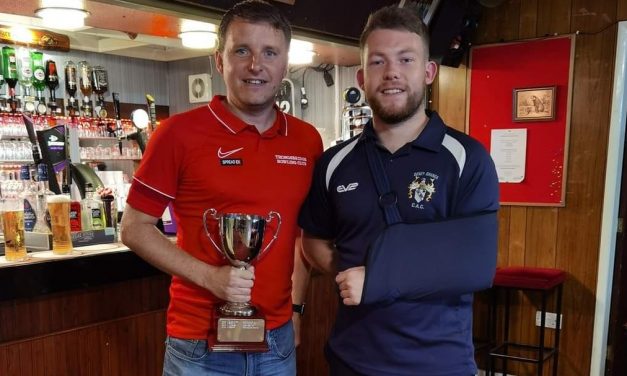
(12, 126)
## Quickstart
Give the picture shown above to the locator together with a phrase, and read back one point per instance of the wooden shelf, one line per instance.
(16, 162)
(112, 139)
(109, 159)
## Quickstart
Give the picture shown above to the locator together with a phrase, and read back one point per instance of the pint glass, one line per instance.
(13, 227)
(59, 208)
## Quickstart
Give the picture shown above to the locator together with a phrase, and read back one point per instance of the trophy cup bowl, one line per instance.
(240, 327)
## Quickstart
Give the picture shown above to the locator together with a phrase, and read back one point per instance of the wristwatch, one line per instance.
(299, 308)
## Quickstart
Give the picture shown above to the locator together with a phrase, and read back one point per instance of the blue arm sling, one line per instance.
(430, 259)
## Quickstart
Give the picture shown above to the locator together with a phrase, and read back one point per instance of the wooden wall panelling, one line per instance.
(568, 237)
(132, 346)
(94, 358)
(499, 24)
(321, 303)
(451, 96)
(517, 237)
(621, 10)
(528, 19)
(27, 318)
(541, 237)
(504, 221)
(540, 244)
(590, 16)
(579, 221)
(554, 17)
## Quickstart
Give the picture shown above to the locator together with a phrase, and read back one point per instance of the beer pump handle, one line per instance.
(118, 119)
(30, 129)
(152, 111)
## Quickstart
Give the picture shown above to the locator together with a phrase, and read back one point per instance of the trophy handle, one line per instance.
(271, 215)
(214, 215)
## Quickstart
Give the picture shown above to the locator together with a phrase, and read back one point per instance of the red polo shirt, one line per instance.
(208, 158)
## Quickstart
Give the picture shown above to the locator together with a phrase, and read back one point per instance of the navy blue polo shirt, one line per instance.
(441, 174)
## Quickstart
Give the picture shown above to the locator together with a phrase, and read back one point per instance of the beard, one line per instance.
(395, 115)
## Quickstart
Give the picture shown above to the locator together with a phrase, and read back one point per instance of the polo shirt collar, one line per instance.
(235, 125)
(430, 138)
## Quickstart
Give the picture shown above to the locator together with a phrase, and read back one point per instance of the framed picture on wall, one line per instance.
(534, 104)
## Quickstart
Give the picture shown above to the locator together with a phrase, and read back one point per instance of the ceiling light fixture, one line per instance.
(301, 52)
(198, 35)
(62, 14)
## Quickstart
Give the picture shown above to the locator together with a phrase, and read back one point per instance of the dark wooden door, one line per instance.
(617, 336)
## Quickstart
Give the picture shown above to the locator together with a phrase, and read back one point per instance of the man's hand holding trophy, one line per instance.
(240, 326)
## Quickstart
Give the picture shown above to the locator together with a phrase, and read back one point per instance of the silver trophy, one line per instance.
(240, 327)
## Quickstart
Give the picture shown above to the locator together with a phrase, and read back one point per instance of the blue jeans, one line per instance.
(192, 358)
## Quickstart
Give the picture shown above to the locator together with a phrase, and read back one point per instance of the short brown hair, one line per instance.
(394, 18)
(254, 11)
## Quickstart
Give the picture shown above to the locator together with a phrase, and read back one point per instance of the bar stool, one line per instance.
(542, 280)
(484, 338)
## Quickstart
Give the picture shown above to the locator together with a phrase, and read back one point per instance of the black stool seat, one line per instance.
(542, 280)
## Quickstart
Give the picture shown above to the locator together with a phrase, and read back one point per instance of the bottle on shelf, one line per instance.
(100, 82)
(70, 87)
(84, 75)
(52, 82)
(3, 101)
(25, 77)
(39, 81)
(9, 71)
(92, 210)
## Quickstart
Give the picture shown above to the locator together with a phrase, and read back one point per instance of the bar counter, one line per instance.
(45, 273)
(99, 311)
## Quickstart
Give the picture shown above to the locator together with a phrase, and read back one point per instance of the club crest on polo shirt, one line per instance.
(294, 160)
(422, 189)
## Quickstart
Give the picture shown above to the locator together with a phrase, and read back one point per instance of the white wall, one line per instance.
(325, 103)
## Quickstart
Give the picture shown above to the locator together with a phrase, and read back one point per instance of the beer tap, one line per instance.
(152, 111)
(30, 130)
(117, 131)
(142, 120)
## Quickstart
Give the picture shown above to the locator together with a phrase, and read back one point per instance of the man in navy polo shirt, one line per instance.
(406, 301)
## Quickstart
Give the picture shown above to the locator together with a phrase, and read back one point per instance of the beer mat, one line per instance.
(97, 247)
(50, 255)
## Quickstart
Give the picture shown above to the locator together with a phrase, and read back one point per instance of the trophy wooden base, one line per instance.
(243, 334)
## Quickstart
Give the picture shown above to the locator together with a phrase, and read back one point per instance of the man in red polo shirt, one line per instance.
(238, 154)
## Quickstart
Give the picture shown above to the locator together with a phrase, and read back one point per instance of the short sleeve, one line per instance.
(479, 185)
(316, 216)
(154, 183)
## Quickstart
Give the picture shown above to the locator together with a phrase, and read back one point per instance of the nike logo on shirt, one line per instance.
(224, 154)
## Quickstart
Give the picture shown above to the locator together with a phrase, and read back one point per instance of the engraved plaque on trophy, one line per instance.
(240, 326)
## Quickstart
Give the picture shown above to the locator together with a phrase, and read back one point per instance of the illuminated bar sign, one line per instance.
(43, 39)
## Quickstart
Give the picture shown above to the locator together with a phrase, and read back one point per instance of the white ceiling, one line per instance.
(143, 32)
